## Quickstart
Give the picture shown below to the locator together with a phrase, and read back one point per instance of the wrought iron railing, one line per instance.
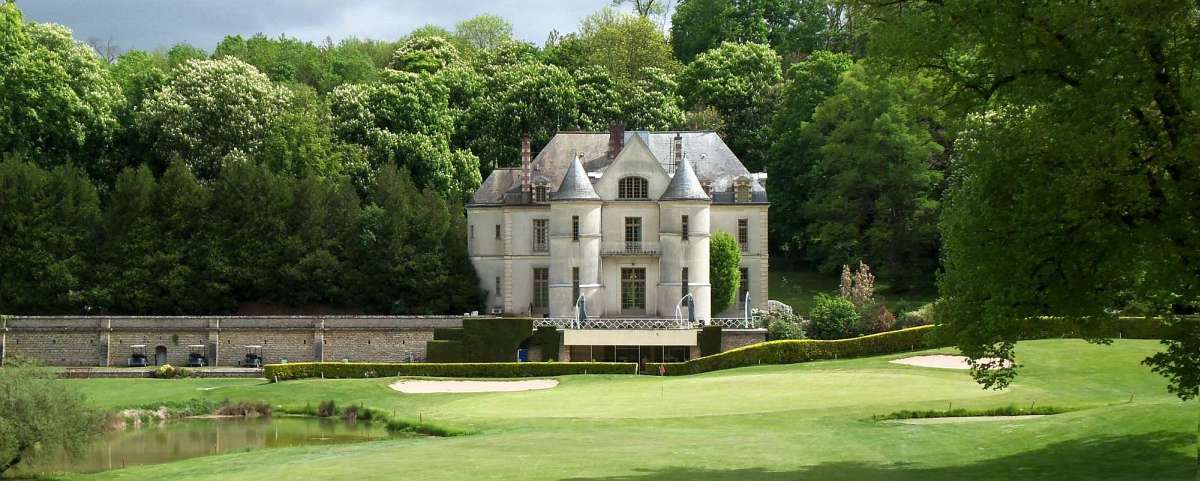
(734, 322)
(614, 323)
(645, 323)
(629, 248)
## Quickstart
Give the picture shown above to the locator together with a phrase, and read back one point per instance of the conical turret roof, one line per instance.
(684, 185)
(575, 184)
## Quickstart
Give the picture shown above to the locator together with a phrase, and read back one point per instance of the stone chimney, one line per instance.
(526, 163)
(616, 139)
(677, 151)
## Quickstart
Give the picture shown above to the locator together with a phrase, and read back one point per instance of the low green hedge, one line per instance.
(794, 351)
(302, 370)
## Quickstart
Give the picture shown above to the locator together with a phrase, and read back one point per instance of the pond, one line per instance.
(190, 438)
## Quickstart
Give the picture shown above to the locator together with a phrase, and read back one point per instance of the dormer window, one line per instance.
(742, 190)
(541, 192)
(707, 185)
(633, 188)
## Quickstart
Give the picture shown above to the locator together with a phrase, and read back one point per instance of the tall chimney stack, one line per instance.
(526, 161)
(616, 138)
(678, 151)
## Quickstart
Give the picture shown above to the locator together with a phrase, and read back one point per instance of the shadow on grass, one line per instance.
(1141, 457)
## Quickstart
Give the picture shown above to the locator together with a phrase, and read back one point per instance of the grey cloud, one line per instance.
(148, 24)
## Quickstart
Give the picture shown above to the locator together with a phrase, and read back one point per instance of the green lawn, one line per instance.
(804, 421)
(796, 288)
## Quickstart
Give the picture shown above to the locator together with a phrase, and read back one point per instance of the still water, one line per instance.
(190, 438)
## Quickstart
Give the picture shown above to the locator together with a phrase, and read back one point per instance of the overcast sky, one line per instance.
(147, 24)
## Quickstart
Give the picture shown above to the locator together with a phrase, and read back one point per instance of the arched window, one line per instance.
(632, 188)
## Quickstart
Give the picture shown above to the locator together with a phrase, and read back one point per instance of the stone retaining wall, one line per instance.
(107, 340)
(735, 338)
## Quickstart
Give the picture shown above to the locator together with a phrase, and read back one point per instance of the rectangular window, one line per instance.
(744, 286)
(541, 289)
(633, 290)
(472, 231)
(684, 280)
(541, 237)
(497, 231)
(574, 285)
(498, 291)
(683, 227)
(633, 233)
(744, 234)
(575, 228)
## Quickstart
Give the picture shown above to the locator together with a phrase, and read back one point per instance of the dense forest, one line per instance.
(1032, 159)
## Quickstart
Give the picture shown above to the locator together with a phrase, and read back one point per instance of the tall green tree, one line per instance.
(740, 81)
(129, 245)
(624, 45)
(653, 102)
(406, 120)
(873, 194)
(208, 109)
(793, 152)
(724, 274)
(48, 225)
(187, 261)
(793, 27)
(1072, 191)
(58, 102)
(483, 32)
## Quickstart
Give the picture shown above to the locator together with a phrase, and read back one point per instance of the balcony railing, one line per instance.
(629, 248)
(613, 323)
(644, 323)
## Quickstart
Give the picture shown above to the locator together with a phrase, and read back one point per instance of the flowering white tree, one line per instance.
(208, 109)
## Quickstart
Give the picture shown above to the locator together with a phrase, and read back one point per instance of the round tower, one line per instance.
(684, 210)
(575, 244)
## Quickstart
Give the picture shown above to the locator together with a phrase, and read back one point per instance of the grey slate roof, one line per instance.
(710, 158)
(684, 185)
(575, 184)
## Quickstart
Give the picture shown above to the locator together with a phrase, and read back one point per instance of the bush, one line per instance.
(790, 352)
(1009, 410)
(327, 408)
(342, 370)
(881, 320)
(167, 371)
(444, 351)
(921, 316)
(832, 317)
(243, 408)
(782, 325)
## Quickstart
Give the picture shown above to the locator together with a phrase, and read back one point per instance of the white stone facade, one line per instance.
(562, 226)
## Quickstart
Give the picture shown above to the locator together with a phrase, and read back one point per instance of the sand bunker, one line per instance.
(426, 387)
(942, 361)
(964, 419)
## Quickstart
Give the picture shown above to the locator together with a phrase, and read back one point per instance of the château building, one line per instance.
(620, 220)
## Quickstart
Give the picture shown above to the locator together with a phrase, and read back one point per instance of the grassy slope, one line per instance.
(808, 421)
(796, 288)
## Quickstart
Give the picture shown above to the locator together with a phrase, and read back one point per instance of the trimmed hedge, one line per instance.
(495, 339)
(549, 339)
(447, 333)
(342, 370)
(709, 340)
(794, 351)
(444, 351)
